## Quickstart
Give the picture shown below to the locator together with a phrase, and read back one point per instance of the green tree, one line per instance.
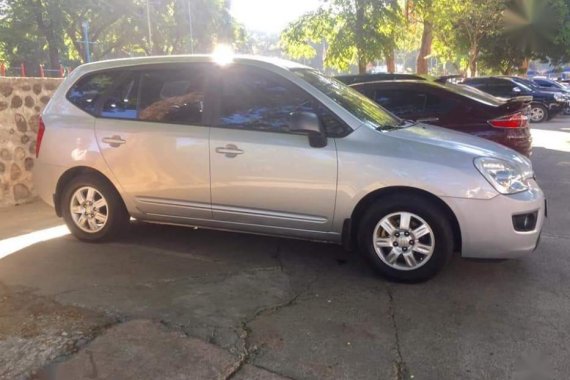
(352, 30)
(461, 26)
(530, 30)
(31, 32)
(36, 31)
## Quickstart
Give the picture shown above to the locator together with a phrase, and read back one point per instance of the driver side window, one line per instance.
(251, 100)
(264, 102)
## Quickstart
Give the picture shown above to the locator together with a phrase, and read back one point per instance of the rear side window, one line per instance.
(87, 90)
(543, 83)
(174, 95)
(401, 102)
(121, 103)
(411, 103)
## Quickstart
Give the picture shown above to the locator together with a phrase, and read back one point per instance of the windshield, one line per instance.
(354, 102)
(542, 82)
(525, 84)
(473, 93)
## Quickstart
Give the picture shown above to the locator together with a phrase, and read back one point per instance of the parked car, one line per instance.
(550, 84)
(455, 79)
(362, 78)
(273, 147)
(456, 107)
(545, 104)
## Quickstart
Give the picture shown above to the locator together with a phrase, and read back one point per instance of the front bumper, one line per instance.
(487, 229)
(556, 106)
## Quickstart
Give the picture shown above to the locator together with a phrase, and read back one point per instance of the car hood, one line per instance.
(460, 142)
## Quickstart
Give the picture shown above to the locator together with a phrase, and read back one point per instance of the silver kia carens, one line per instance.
(273, 147)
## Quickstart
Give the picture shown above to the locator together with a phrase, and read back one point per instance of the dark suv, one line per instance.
(545, 104)
(456, 107)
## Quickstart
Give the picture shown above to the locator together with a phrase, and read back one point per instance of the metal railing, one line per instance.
(22, 71)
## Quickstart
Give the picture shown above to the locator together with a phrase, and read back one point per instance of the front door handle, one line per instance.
(230, 150)
(114, 141)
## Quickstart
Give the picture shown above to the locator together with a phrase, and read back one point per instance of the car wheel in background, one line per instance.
(407, 238)
(92, 209)
(538, 113)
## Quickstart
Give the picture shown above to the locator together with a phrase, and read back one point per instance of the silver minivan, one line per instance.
(273, 147)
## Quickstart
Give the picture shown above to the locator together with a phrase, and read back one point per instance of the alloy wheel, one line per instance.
(537, 114)
(403, 241)
(89, 209)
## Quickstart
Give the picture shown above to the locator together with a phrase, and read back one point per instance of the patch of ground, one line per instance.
(35, 330)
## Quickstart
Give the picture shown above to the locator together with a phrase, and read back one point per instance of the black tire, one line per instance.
(544, 111)
(117, 215)
(431, 213)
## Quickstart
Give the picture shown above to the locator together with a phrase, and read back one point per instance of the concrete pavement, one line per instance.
(170, 302)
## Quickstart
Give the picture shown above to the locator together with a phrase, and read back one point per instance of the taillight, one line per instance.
(517, 120)
(41, 130)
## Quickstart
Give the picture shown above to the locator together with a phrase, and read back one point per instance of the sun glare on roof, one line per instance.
(223, 54)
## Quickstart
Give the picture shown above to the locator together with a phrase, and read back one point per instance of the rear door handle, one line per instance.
(230, 150)
(114, 141)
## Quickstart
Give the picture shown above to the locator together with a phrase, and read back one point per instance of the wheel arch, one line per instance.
(72, 173)
(378, 194)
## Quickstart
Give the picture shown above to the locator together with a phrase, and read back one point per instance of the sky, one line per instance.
(270, 16)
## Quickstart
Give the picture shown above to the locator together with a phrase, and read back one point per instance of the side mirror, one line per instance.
(309, 123)
(516, 90)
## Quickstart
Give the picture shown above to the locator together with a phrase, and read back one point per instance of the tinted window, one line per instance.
(413, 103)
(174, 95)
(497, 87)
(122, 101)
(543, 83)
(86, 91)
(334, 126)
(401, 102)
(474, 81)
(436, 104)
(258, 101)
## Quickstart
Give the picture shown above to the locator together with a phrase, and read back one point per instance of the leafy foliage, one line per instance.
(50, 31)
(354, 31)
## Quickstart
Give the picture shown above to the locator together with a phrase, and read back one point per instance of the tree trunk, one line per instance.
(390, 61)
(473, 67)
(523, 67)
(473, 58)
(359, 37)
(362, 65)
(425, 49)
(46, 28)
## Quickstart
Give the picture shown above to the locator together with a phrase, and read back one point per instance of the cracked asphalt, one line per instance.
(174, 303)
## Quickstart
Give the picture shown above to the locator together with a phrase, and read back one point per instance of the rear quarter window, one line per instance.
(89, 89)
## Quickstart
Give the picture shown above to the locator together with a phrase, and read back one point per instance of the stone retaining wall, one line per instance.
(21, 101)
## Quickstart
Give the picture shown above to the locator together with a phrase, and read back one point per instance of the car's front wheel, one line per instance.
(538, 113)
(92, 209)
(407, 238)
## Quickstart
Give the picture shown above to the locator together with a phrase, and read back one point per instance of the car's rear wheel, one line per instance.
(407, 238)
(538, 113)
(92, 209)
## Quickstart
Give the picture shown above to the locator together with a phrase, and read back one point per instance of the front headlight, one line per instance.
(505, 177)
(559, 97)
